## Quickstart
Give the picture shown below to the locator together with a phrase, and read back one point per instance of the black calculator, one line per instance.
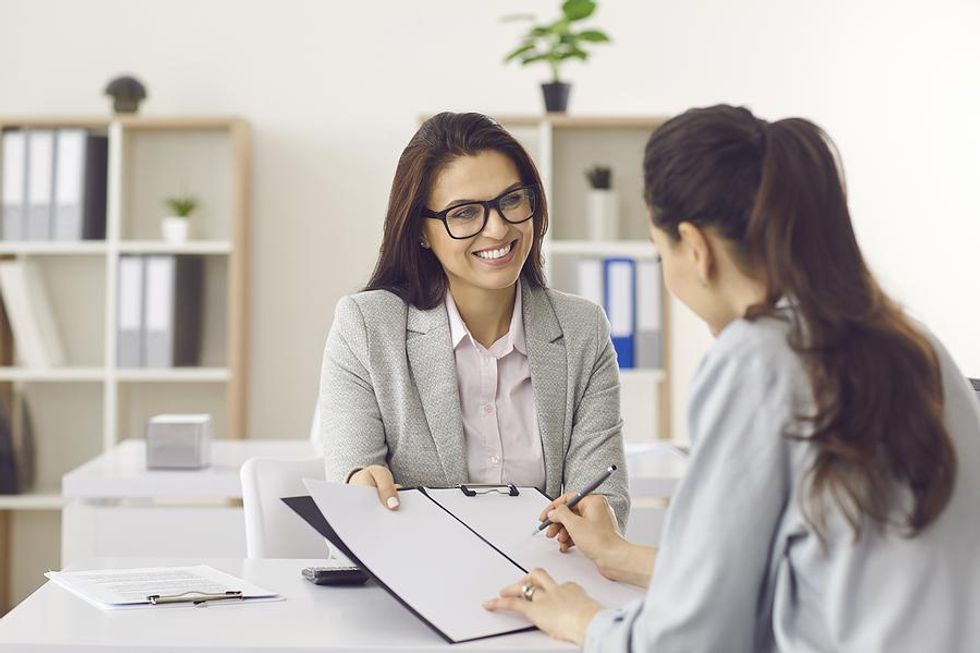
(335, 574)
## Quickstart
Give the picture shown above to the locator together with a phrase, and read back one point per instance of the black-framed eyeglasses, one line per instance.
(466, 220)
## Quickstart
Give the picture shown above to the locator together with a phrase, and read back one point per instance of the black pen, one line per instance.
(589, 489)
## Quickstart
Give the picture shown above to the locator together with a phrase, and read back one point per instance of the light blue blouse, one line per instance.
(740, 570)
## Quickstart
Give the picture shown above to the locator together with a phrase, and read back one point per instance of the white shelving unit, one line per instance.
(87, 406)
(563, 147)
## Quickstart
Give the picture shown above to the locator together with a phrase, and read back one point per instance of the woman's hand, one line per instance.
(595, 510)
(380, 477)
(563, 611)
(591, 526)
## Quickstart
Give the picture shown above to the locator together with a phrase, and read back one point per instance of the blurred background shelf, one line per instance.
(70, 413)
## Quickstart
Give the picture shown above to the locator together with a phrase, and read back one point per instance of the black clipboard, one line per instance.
(306, 508)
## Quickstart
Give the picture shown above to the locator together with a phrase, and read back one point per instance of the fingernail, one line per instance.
(392, 502)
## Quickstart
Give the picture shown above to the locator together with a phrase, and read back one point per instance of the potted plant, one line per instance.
(554, 44)
(176, 226)
(602, 206)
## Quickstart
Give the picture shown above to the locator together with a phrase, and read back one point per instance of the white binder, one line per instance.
(69, 184)
(649, 344)
(159, 311)
(129, 326)
(40, 183)
(14, 184)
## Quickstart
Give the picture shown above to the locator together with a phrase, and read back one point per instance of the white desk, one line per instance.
(311, 618)
(116, 507)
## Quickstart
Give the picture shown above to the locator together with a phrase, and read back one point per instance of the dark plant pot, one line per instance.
(556, 96)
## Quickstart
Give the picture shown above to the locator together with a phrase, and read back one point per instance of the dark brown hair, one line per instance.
(404, 267)
(776, 191)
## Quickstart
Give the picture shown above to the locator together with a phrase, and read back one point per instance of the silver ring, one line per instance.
(528, 591)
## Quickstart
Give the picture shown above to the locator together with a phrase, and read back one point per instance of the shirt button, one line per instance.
(494, 460)
(488, 409)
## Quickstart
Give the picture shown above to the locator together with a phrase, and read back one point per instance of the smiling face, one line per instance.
(492, 260)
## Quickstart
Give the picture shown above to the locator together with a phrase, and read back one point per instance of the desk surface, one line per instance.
(312, 618)
(121, 472)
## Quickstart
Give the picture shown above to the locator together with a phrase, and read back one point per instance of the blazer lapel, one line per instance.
(548, 362)
(430, 355)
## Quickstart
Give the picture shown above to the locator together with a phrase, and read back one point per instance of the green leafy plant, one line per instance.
(557, 42)
(181, 205)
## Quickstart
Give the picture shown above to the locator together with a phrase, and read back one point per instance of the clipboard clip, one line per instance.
(197, 598)
(473, 489)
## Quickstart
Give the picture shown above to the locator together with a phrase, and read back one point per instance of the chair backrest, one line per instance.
(272, 529)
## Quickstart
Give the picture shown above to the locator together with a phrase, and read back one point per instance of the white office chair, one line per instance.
(272, 529)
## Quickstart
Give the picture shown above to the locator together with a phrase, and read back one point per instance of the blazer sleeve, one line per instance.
(710, 578)
(351, 431)
(597, 428)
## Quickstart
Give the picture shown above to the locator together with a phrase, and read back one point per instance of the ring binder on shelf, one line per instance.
(489, 488)
(197, 598)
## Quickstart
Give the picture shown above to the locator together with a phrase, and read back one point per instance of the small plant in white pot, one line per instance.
(602, 206)
(176, 226)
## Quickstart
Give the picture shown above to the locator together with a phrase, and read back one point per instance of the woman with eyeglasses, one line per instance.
(830, 501)
(457, 364)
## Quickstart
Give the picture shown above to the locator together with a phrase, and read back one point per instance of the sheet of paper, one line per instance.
(507, 522)
(128, 588)
(432, 562)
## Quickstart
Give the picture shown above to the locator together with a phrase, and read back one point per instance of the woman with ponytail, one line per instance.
(831, 499)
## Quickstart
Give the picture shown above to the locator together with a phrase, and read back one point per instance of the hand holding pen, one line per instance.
(589, 510)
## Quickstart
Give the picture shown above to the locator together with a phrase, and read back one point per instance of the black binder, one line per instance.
(306, 508)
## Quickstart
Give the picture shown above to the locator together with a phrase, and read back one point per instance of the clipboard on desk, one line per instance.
(444, 552)
(198, 585)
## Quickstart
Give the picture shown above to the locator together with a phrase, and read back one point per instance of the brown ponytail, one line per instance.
(777, 192)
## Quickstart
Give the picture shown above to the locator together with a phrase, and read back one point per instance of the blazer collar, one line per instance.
(430, 353)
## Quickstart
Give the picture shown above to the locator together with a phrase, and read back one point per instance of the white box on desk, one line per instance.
(178, 442)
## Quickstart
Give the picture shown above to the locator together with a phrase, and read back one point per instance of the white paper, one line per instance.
(128, 588)
(508, 522)
(431, 561)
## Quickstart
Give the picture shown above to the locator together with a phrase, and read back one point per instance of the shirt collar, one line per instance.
(515, 336)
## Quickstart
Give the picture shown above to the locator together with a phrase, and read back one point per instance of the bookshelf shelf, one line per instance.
(88, 405)
(563, 148)
(161, 247)
(176, 375)
(642, 376)
(62, 374)
(28, 248)
(46, 500)
(627, 248)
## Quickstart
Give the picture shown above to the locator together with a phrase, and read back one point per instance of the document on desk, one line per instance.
(441, 554)
(112, 589)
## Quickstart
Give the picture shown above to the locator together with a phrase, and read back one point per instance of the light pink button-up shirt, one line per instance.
(500, 421)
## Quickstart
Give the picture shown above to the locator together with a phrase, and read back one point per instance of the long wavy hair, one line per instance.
(404, 267)
(776, 191)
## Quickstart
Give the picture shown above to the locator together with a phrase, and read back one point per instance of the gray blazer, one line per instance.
(389, 393)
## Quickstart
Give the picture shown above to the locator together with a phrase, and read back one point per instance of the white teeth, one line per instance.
(491, 254)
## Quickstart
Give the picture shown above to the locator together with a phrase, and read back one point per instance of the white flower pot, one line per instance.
(602, 214)
(175, 229)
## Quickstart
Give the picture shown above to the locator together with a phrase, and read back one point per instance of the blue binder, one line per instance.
(619, 275)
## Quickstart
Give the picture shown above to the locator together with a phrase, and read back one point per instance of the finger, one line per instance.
(542, 579)
(564, 537)
(553, 530)
(361, 477)
(516, 589)
(563, 499)
(508, 603)
(386, 487)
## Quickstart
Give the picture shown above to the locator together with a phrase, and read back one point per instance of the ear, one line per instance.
(699, 246)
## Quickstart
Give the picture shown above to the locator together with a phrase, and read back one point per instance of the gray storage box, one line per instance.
(178, 442)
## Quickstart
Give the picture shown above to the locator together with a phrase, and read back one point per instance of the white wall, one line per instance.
(333, 90)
